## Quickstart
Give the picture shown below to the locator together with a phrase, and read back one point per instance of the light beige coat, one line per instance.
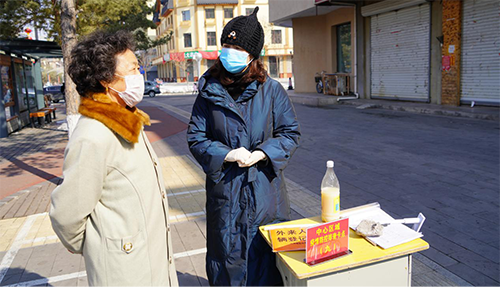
(112, 207)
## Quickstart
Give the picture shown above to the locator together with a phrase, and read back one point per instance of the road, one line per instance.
(447, 168)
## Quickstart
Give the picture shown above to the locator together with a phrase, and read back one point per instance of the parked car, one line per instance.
(151, 88)
(54, 92)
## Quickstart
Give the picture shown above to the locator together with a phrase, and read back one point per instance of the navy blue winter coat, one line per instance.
(239, 200)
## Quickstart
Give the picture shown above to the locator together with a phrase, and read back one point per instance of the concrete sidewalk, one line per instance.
(326, 101)
(31, 254)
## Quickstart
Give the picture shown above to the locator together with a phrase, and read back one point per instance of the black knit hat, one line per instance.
(246, 32)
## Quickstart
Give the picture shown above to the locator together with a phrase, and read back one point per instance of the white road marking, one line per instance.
(84, 273)
(186, 192)
(16, 245)
(51, 279)
(190, 253)
(184, 217)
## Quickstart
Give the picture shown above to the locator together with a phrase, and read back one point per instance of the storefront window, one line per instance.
(7, 93)
(21, 87)
(273, 66)
(210, 63)
(30, 81)
(344, 48)
(190, 69)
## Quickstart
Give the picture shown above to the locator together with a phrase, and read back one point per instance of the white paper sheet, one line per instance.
(393, 234)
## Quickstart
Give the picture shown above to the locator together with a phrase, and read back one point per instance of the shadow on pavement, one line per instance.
(33, 164)
(186, 279)
(23, 277)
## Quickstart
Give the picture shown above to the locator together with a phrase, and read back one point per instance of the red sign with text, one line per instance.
(327, 241)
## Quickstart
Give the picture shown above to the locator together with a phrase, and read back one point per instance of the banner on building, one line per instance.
(179, 57)
(208, 55)
(213, 55)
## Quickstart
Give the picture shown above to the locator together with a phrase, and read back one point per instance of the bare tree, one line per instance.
(267, 27)
(146, 60)
(68, 40)
(182, 67)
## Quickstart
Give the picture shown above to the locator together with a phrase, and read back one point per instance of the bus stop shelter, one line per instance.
(21, 80)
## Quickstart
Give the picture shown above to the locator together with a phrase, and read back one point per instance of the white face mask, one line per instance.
(134, 90)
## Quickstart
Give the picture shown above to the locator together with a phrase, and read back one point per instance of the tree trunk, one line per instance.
(68, 39)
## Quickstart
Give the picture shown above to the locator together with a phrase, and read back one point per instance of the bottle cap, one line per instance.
(329, 163)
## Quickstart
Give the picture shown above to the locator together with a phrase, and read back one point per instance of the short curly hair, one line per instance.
(93, 59)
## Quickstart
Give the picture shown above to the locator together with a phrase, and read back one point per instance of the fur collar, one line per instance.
(126, 122)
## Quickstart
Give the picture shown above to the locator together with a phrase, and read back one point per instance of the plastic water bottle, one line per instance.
(330, 195)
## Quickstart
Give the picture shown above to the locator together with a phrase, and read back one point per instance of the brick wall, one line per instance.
(451, 50)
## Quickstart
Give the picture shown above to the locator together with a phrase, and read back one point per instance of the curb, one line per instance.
(332, 100)
(427, 111)
(17, 194)
(313, 101)
(12, 197)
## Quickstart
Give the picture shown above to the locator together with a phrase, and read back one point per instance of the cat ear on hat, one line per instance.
(254, 13)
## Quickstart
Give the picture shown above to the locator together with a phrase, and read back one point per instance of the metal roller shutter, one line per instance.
(400, 51)
(480, 75)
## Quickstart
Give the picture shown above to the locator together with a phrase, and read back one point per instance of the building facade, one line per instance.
(441, 52)
(196, 27)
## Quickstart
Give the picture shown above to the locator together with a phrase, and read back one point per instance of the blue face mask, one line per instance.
(233, 60)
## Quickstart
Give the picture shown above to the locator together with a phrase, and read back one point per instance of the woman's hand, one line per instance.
(254, 158)
(239, 155)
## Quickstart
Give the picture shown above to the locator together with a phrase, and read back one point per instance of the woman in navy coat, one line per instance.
(243, 131)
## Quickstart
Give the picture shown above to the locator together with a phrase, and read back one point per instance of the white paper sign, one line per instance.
(451, 49)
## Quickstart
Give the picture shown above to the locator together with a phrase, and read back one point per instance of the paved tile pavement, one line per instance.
(31, 156)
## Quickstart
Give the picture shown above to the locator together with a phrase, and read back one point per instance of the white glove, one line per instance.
(254, 158)
(239, 155)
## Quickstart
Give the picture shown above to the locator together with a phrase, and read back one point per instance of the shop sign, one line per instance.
(327, 241)
(288, 239)
(212, 55)
(189, 55)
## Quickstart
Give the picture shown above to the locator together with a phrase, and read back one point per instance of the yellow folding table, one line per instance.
(368, 265)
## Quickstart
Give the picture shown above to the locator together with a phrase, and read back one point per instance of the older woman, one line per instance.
(243, 131)
(111, 206)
